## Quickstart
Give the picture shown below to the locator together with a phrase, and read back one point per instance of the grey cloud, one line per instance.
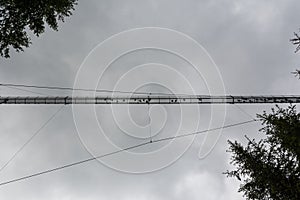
(248, 42)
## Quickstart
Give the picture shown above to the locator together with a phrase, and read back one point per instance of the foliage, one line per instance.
(296, 73)
(296, 41)
(17, 17)
(269, 168)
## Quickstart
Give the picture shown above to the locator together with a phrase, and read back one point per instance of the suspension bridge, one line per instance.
(150, 99)
(131, 98)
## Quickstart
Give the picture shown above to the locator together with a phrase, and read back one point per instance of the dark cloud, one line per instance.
(247, 40)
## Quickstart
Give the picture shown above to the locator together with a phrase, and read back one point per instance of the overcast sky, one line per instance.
(247, 40)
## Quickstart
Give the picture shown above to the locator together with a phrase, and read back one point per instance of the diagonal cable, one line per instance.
(120, 150)
(86, 89)
(72, 164)
(203, 131)
(245, 112)
(24, 90)
(31, 138)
